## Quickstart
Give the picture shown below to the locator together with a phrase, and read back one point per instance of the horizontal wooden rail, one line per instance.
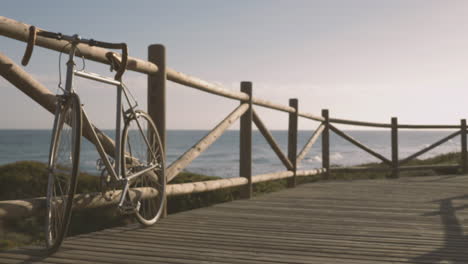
(205, 186)
(271, 141)
(358, 123)
(183, 161)
(14, 209)
(429, 126)
(385, 125)
(310, 172)
(315, 136)
(311, 116)
(360, 145)
(426, 149)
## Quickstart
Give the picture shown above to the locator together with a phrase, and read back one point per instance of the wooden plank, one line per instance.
(271, 141)
(360, 145)
(426, 149)
(315, 136)
(183, 161)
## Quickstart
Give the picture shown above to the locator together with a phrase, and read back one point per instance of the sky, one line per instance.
(361, 59)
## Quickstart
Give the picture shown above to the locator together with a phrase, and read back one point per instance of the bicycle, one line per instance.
(135, 168)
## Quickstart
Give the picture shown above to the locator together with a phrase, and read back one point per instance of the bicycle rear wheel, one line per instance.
(141, 149)
(63, 169)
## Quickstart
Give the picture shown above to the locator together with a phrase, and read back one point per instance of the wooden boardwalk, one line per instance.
(409, 220)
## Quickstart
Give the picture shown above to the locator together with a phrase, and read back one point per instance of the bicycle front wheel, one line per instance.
(63, 169)
(142, 149)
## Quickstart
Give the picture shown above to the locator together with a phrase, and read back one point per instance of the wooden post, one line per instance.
(464, 154)
(245, 138)
(292, 140)
(395, 162)
(157, 95)
(326, 143)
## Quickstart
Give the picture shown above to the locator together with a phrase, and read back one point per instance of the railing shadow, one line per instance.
(454, 250)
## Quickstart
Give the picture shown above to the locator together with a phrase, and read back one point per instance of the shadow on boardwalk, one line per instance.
(455, 249)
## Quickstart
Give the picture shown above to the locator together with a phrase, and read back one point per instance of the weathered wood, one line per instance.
(426, 149)
(245, 140)
(184, 160)
(187, 80)
(156, 97)
(14, 209)
(310, 172)
(292, 140)
(357, 123)
(272, 176)
(326, 143)
(359, 144)
(271, 141)
(45, 98)
(20, 31)
(197, 187)
(429, 126)
(311, 116)
(394, 140)
(463, 142)
(315, 136)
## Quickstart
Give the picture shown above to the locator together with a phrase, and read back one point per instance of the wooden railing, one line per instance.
(158, 74)
(395, 165)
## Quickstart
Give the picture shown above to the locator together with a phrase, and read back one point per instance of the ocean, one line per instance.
(222, 158)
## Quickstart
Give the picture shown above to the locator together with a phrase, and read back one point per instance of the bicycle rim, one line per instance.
(144, 155)
(63, 170)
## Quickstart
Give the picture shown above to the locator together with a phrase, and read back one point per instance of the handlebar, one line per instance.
(75, 39)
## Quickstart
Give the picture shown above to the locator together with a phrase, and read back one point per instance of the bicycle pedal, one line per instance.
(127, 209)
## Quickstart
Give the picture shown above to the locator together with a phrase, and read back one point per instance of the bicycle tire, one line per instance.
(64, 158)
(133, 144)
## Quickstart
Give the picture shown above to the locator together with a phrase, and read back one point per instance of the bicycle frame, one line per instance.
(114, 171)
